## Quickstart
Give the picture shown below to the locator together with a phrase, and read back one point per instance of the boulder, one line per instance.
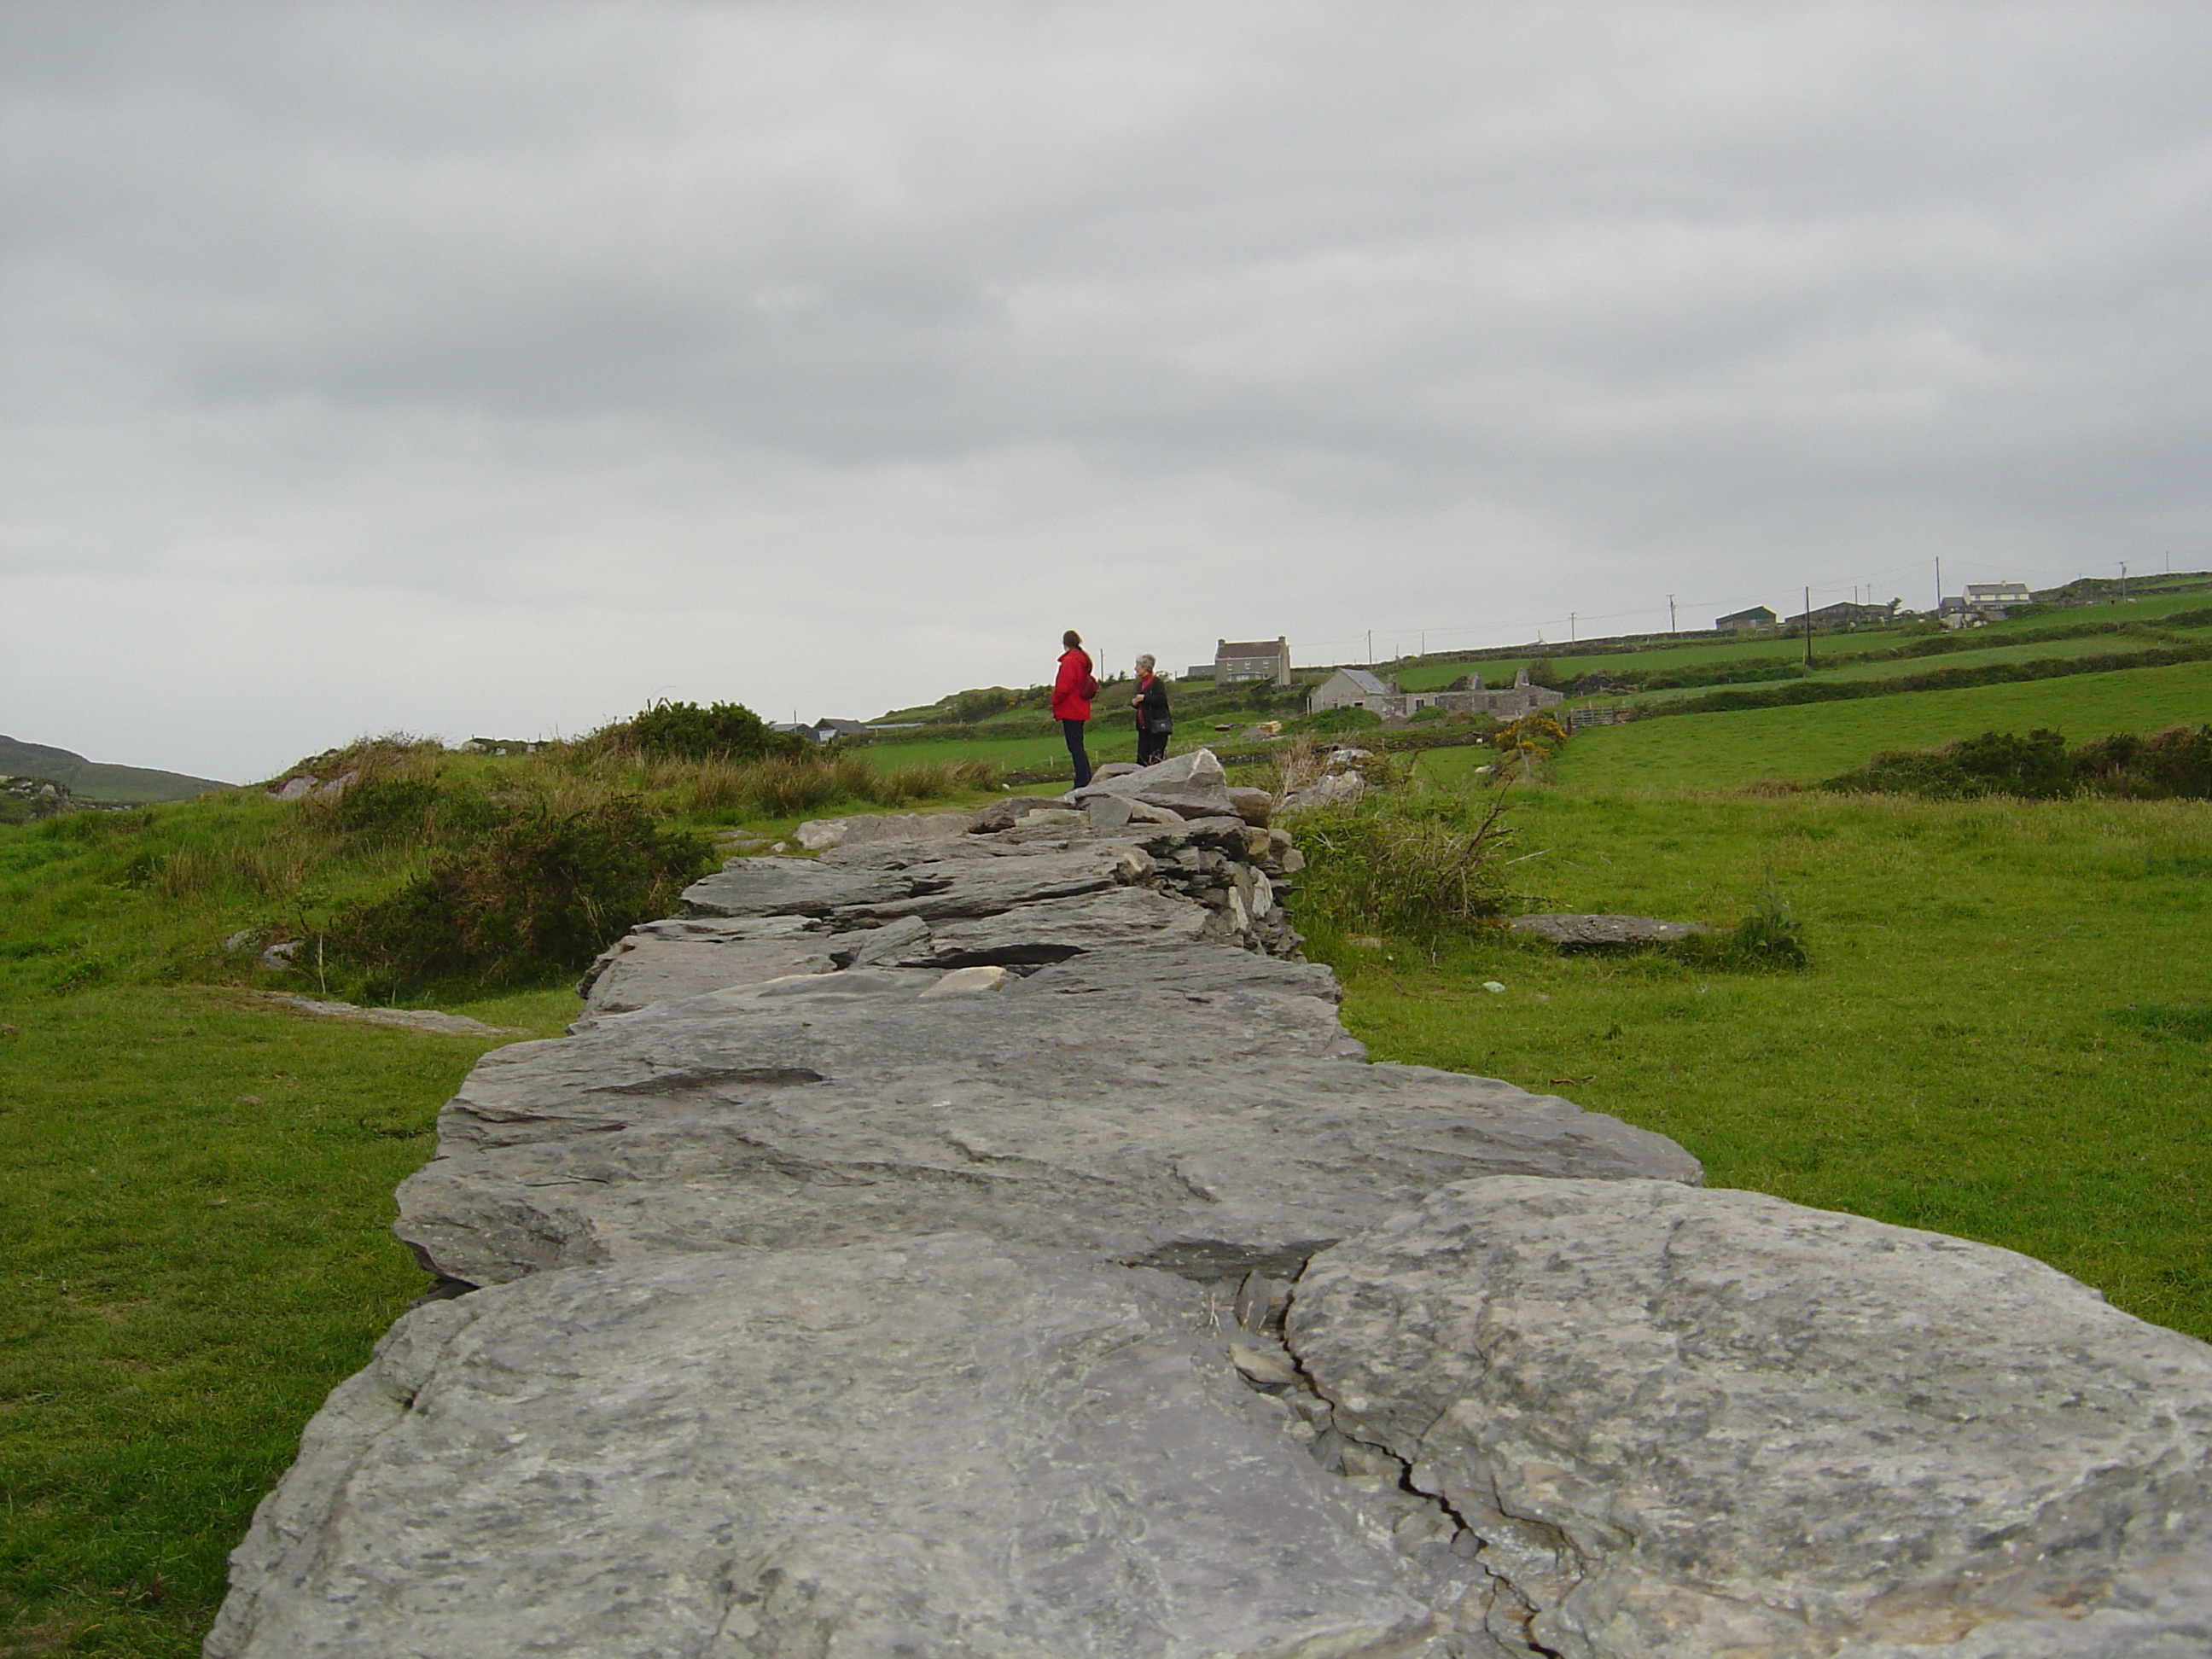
(1213, 1122)
(941, 1447)
(818, 835)
(1189, 785)
(1255, 806)
(1688, 1422)
(1330, 789)
(1005, 814)
(1573, 933)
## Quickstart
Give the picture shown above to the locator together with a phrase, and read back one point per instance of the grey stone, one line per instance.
(1189, 785)
(817, 835)
(868, 946)
(297, 788)
(1255, 806)
(969, 981)
(1686, 1422)
(1003, 814)
(1107, 813)
(1048, 818)
(1332, 789)
(1052, 930)
(1599, 933)
(774, 886)
(939, 1448)
(1212, 1131)
(654, 970)
(413, 1019)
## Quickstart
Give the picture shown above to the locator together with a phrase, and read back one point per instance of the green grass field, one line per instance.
(1811, 741)
(2004, 1034)
(198, 1246)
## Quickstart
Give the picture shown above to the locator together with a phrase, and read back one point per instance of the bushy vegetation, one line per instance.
(2176, 762)
(538, 889)
(685, 731)
(432, 874)
(1418, 862)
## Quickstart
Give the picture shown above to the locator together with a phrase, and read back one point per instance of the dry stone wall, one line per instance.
(992, 1244)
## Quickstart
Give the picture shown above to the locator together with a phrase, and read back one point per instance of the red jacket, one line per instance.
(1071, 692)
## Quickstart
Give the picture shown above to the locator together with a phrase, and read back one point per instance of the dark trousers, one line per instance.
(1073, 731)
(1152, 747)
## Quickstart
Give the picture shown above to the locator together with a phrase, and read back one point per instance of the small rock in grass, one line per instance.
(1492, 986)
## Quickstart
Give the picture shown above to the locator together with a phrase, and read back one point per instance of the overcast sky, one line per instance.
(494, 369)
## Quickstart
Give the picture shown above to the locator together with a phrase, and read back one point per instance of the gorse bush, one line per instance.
(542, 889)
(1417, 864)
(685, 731)
(2040, 766)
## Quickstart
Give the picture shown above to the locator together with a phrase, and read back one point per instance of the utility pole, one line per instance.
(1939, 586)
(2124, 582)
(1571, 624)
(1809, 627)
(1671, 628)
(1370, 648)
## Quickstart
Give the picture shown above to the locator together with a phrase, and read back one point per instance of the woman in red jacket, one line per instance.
(1071, 692)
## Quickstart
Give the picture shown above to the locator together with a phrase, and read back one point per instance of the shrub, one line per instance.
(541, 893)
(2038, 767)
(685, 731)
(1419, 867)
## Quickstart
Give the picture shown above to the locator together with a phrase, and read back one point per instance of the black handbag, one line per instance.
(1158, 723)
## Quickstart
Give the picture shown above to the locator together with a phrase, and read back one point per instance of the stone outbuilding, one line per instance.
(1252, 659)
(1757, 620)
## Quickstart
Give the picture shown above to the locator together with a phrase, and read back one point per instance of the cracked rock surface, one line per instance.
(1703, 1422)
(992, 1244)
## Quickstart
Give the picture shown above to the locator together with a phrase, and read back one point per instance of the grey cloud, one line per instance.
(464, 299)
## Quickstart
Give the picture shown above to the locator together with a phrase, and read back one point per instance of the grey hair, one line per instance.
(1147, 660)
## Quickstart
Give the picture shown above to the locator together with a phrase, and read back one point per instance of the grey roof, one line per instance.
(1249, 648)
(1365, 681)
(1746, 616)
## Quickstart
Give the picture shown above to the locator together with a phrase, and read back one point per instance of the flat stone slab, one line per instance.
(1692, 1422)
(1597, 932)
(818, 834)
(413, 1019)
(655, 970)
(942, 1448)
(1212, 1131)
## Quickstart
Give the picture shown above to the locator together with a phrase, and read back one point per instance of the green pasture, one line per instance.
(197, 1247)
(2006, 1033)
(1424, 676)
(1808, 742)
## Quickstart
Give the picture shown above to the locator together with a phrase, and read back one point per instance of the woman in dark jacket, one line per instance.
(1071, 692)
(1153, 721)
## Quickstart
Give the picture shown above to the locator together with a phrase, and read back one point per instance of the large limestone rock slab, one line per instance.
(817, 835)
(653, 970)
(964, 881)
(1697, 1423)
(1214, 1132)
(943, 1448)
(1192, 786)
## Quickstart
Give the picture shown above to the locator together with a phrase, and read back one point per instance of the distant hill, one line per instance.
(90, 780)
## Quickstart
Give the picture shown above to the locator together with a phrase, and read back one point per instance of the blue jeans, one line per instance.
(1073, 731)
